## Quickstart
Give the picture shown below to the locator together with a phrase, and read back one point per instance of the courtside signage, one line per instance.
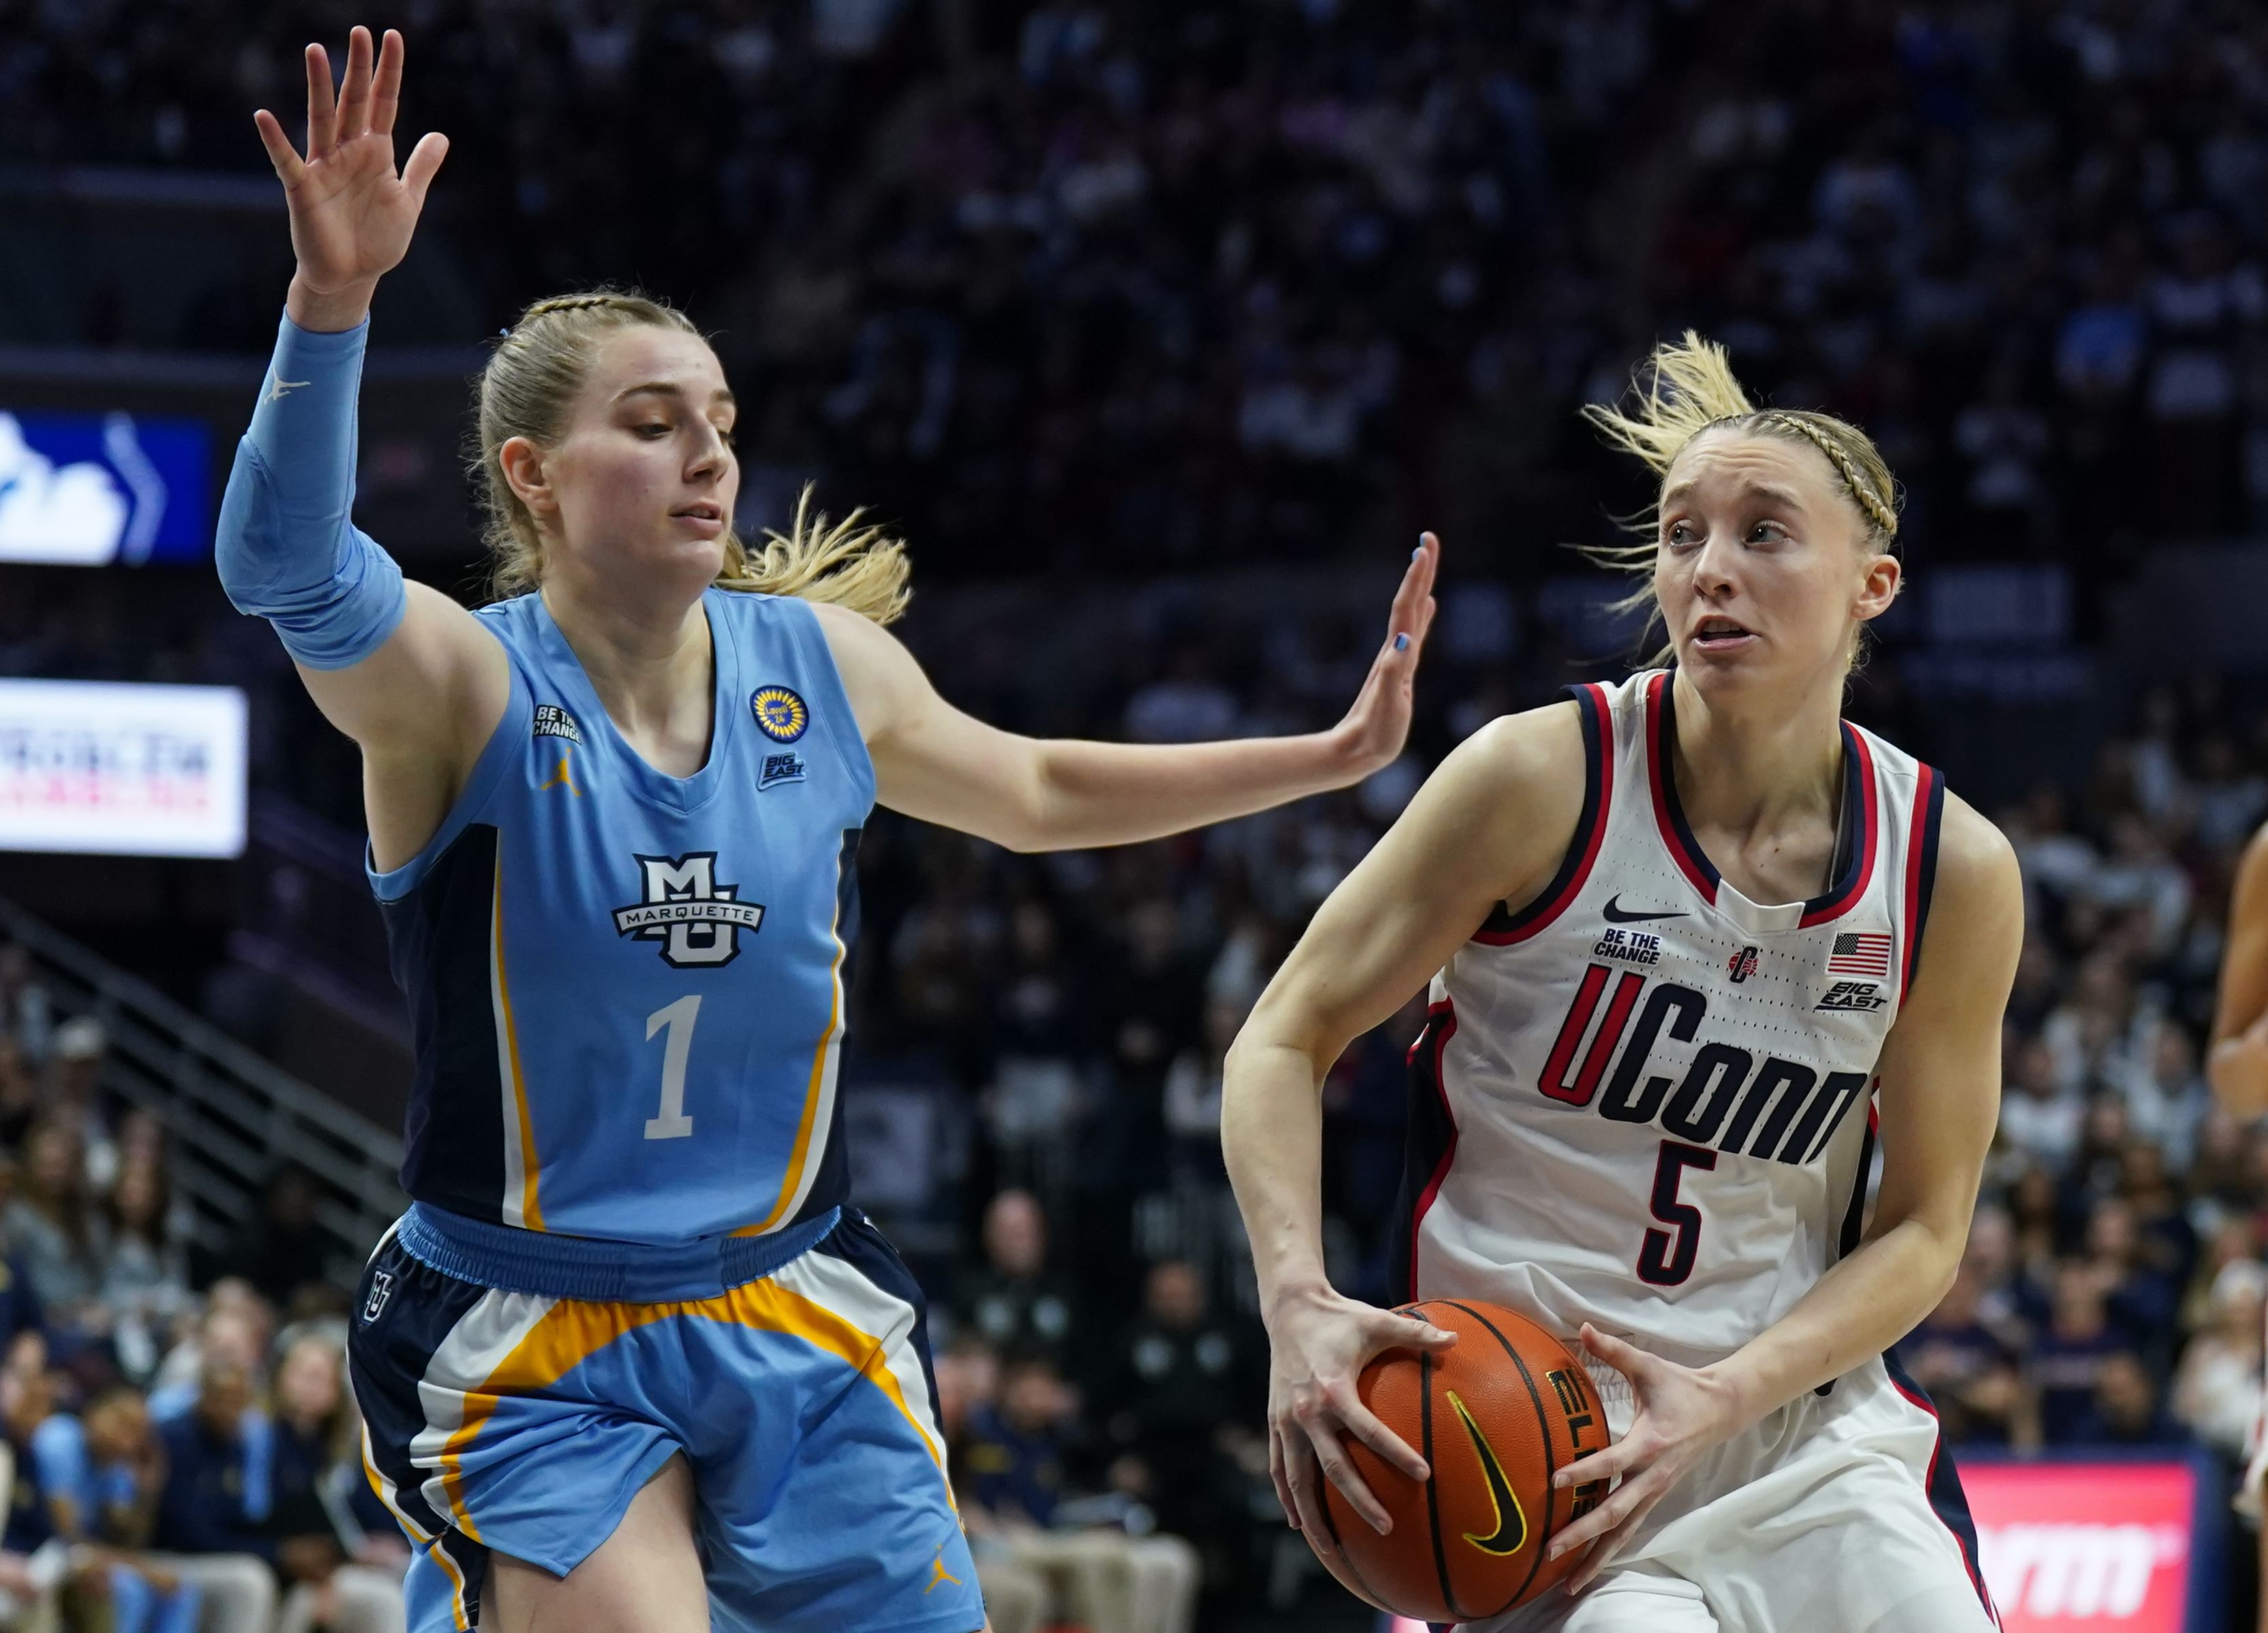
(98, 490)
(2078, 1545)
(114, 768)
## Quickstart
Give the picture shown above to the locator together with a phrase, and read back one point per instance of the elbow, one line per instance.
(1033, 819)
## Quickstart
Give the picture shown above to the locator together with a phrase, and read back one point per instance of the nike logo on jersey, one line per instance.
(1511, 1527)
(1616, 914)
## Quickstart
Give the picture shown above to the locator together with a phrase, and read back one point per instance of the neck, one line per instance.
(645, 656)
(1747, 764)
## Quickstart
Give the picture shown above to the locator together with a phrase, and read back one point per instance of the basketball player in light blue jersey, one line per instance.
(631, 1362)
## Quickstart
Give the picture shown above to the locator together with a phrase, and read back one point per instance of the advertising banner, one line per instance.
(2071, 1546)
(120, 769)
(98, 489)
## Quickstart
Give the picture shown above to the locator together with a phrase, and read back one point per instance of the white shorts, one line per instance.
(1836, 1514)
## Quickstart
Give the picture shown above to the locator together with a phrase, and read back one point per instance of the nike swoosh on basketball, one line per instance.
(1511, 1523)
(1616, 914)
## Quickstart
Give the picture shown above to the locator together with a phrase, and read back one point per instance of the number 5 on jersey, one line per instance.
(1665, 1258)
(671, 1123)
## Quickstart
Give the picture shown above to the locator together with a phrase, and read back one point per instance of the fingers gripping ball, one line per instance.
(1493, 1418)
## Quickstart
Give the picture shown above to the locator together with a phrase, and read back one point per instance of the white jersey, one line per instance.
(1651, 1097)
(1645, 1101)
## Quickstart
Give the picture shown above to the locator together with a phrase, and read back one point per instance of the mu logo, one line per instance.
(697, 921)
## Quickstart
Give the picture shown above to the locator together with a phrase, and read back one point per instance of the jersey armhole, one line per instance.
(1921, 870)
(488, 771)
(1504, 928)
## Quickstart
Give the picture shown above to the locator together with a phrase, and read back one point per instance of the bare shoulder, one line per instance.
(879, 676)
(1535, 752)
(856, 634)
(1505, 802)
(1976, 865)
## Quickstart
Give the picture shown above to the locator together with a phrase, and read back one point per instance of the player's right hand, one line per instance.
(351, 215)
(1318, 1344)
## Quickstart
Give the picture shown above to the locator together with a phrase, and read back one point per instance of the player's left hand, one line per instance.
(1682, 1413)
(1372, 734)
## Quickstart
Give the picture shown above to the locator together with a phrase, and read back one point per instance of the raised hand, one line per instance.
(1375, 727)
(351, 214)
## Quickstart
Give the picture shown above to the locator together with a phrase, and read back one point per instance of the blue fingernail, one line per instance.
(1400, 643)
(1419, 551)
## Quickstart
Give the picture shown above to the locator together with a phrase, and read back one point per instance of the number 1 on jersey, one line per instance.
(671, 1123)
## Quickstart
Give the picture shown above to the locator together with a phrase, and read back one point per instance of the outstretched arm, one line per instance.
(400, 668)
(2238, 1064)
(1939, 1099)
(933, 761)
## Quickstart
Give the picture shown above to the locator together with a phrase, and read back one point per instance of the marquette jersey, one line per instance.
(626, 988)
(1644, 1099)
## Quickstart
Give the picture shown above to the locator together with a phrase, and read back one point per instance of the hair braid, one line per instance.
(1878, 509)
(582, 303)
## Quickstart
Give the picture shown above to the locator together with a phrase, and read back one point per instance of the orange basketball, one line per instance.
(1493, 1418)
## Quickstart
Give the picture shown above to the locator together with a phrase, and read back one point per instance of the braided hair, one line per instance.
(528, 387)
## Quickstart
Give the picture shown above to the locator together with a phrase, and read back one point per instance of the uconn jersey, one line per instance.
(1644, 1099)
(626, 988)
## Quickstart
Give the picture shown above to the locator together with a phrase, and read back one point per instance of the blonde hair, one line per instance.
(528, 387)
(1689, 387)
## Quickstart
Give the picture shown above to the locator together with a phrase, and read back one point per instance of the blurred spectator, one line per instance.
(1014, 1471)
(2217, 1392)
(237, 1328)
(24, 1013)
(2039, 1116)
(74, 1092)
(279, 1250)
(1192, 1094)
(146, 1266)
(317, 1469)
(19, 1092)
(2125, 1410)
(1971, 1365)
(1181, 1390)
(2066, 1359)
(1013, 1299)
(213, 1509)
(1041, 1027)
(54, 1229)
(27, 1403)
(99, 1482)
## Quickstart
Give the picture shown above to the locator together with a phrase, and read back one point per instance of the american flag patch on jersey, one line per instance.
(1864, 954)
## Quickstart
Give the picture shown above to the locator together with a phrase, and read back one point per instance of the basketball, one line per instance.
(1494, 1418)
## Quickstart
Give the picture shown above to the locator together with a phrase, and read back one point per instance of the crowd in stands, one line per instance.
(1098, 285)
(179, 1449)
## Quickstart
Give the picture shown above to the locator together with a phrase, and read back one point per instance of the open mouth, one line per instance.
(705, 511)
(1715, 634)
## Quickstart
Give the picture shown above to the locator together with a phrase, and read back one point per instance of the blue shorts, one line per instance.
(802, 1400)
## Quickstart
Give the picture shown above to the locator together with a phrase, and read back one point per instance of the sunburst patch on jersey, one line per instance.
(780, 714)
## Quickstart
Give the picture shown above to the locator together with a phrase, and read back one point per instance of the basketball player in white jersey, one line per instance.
(1697, 947)
(2238, 1067)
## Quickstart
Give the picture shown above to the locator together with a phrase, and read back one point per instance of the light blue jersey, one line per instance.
(627, 988)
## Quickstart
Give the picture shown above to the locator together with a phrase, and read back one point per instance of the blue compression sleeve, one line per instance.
(287, 547)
